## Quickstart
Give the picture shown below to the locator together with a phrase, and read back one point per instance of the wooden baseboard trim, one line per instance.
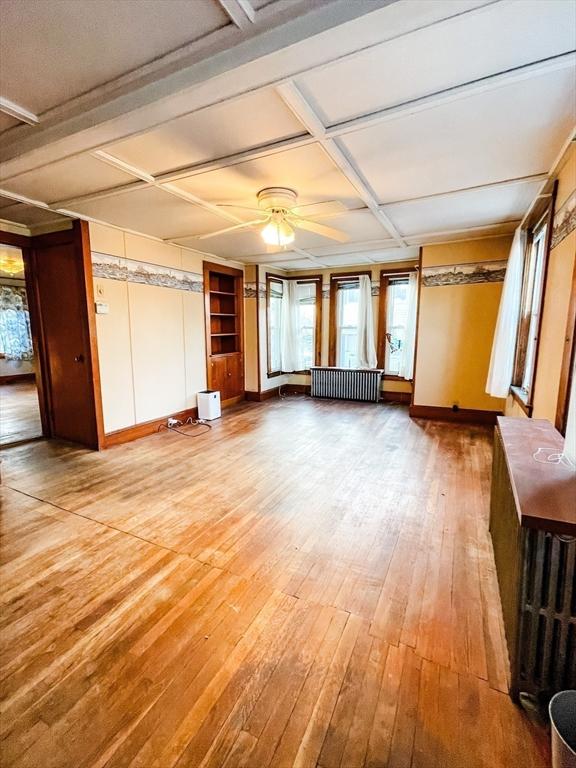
(17, 378)
(128, 434)
(259, 397)
(296, 389)
(397, 397)
(462, 415)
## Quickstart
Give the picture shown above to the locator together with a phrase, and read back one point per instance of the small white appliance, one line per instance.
(209, 405)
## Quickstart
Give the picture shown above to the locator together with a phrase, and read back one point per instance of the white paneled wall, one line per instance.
(151, 343)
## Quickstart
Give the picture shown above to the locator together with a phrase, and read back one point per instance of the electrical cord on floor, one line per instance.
(189, 420)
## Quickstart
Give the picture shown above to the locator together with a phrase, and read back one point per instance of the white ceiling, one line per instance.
(420, 120)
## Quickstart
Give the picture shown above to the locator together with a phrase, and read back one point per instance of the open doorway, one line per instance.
(19, 404)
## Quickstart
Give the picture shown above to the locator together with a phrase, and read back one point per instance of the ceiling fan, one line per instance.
(279, 215)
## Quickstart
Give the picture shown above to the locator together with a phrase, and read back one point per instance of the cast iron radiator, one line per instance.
(346, 383)
(546, 659)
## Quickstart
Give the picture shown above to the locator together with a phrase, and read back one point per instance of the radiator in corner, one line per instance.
(346, 383)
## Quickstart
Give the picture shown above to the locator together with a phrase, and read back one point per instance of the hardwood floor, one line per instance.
(309, 584)
(19, 412)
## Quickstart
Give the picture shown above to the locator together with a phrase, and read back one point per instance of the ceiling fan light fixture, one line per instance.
(278, 233)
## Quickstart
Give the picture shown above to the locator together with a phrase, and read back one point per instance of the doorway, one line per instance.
(20, 418)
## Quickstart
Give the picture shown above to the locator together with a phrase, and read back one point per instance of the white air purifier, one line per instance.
(209, 405)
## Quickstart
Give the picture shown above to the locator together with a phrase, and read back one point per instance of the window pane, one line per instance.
(347, 326)
(396, 319)
(274, 315)
(306, 293)
(532, 306)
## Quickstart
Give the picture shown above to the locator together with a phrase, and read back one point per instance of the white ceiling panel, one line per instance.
(493, 39)
(29, 215)
(66, 179)
(152, 212)
(306, 264)
(464, 234)
(232, 245)
(95, 42)
(307, 170)
(6, 122)
(217, 131)
(500, 134)
(473, 208)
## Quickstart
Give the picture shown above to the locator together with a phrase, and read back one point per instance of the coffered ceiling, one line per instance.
(416, 120)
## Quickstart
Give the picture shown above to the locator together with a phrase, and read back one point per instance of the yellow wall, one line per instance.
(455, 329)
(556, 302)
(151, 344)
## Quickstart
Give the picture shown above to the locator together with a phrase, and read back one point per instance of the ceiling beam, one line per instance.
(20, 113)
(304, 111)
(240, 12)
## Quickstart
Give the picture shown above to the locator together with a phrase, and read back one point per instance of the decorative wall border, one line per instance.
(253, 290)
(564, 220)
(128, 270)
(464, 274)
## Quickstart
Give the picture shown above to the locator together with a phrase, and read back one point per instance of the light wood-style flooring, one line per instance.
(309, 584)
(19, 412)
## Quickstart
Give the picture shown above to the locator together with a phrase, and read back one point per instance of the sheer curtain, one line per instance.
(504, 344)
(15, 334)
(366, 346)
(406, 367)
(290, 358)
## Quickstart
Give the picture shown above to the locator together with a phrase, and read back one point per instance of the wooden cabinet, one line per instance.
(223, 302)
(533, 529)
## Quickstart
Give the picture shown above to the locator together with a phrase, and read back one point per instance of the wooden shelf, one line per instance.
(223, 314)
(224, 334)
(224, 293)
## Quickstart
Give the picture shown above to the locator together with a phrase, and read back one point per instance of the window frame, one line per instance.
(317, 281)
(526, 398)
(385, 276)
(335, 278)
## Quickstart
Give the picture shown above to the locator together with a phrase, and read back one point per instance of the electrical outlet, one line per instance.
(173, 422)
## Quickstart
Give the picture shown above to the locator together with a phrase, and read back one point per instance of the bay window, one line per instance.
(294, 316)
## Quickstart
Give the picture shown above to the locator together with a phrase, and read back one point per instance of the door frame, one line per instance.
(79, 236)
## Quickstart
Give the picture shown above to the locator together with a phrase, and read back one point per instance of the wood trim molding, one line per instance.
(17, 378)
(419, 269)
(11, 238)
(461, 416)
(82, 239)
(317, 280)
(335, 278)
(547, 248)
(518, 397)
(385, 275)
(396, 397)
(136, 431)
(567, 368)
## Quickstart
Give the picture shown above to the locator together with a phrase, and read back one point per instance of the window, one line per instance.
(348, 296)
(275, 293)
(306, 297)
(397, 323)
(530, 312)
(306, 320)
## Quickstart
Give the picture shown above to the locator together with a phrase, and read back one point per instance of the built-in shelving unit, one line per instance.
(224, 296)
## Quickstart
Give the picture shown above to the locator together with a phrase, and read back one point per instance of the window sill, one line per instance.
(522, 399)
(393, 377)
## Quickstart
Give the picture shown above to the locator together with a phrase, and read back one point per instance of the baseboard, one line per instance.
(17, 378)
(296, 389)
(128, 434)
(286, 389)
(397, 397)
(462, 415)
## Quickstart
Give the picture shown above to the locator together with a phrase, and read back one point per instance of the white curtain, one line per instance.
(289, 347)
(366, 346)
(504, 344)
(406, 368)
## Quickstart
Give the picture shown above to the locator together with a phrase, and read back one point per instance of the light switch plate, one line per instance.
(101, 307)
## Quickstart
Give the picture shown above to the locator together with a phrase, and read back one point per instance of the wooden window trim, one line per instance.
(526, 400)
(566, 371)
(385, 275)
(335, 278)
(317, 280)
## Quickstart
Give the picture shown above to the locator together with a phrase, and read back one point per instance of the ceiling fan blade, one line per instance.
(326, 208)
(231, 229)
(240, 207)
(319, 229)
